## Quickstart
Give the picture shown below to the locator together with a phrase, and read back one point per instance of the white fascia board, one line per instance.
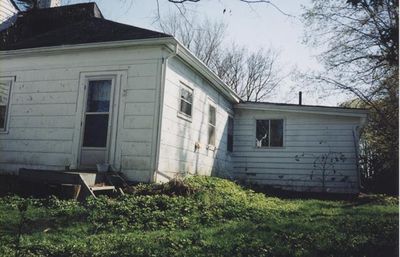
(199, 66)
(360, 113)
(88, 46)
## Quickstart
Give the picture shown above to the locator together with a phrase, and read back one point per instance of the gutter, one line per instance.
(198, 65)
(305, 109)
(164, 64)
(77, 47)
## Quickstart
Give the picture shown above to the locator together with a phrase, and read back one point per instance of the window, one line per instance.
(5, 88)
(211, 124)
(229, 147)
(186, 101)
(269, 133)
(97, 113)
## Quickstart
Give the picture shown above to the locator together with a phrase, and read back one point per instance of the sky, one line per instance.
(252, 26)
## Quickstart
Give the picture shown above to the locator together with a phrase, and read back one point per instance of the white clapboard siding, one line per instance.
(68, 85)
(34, 158)
(179, 136)
(106, 59)
(37, 146)
(43, 129)
(44, 98)
(38, 134)
(42, 121)
(307, 137)
(142, 82)
(138, 122)
(137, 149)
(7, 10)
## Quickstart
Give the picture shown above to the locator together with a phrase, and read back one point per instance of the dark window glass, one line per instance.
(98, 99)
(211, 125)
(186, 108)
(4, 96)
(262, 133)
(186, 95)
(2, 117)
(230, 135)
(276, 133)
(186, 101)
(211, 135)
(96, 127)
(269, 133)
(211, 116)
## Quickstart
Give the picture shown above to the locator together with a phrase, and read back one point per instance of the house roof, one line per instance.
(317, 109)
(82, 26)
(68, 25)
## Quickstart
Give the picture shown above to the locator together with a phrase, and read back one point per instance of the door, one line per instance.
(96, 123)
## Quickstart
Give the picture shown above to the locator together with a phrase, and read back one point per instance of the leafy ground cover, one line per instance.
(199, 216)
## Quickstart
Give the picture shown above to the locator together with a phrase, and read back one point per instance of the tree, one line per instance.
(361, 58)
(203, 37)
(32, 4)
(252, 75)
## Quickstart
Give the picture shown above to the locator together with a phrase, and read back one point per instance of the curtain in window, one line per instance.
(98, 99)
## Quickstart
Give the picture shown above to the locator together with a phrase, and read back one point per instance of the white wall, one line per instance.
(43, 129)
(179, 136)
(7, 10)
(307, 136)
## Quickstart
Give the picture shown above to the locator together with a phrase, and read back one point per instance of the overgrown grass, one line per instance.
(199, 216)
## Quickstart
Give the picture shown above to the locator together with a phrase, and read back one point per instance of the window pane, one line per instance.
(262, 133)
(276, 132)
(187, 95)
(4, 97)
(98, 99)
(2, 117)
(4, 93)
(211, 116)
(211, 135)
(186, 108)
(96, 126)
(186, 101)
(230, 135)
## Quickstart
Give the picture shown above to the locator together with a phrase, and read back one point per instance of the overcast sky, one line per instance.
(253, 26)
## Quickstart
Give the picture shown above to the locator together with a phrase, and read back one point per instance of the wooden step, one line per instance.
(102, 188)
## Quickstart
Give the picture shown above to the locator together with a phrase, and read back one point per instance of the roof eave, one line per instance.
(360, 113)
(79, 47)
(198, 65)
(182, 52)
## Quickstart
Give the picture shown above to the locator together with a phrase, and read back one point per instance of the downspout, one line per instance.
(160, 111)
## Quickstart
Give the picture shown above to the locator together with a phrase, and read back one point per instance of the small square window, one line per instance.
(269, 133)
(186, 101)
(5, 88)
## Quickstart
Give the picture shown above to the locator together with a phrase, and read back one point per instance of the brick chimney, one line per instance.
(48, 3)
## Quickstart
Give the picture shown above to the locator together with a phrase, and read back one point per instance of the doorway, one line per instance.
(96, 124)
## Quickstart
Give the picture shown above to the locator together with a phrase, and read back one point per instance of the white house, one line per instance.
(8, 11)
(77, 90)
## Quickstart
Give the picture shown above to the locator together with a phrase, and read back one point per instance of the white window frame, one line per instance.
(211, 104)
(283, 132)
(10, 82)
(181, 114)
